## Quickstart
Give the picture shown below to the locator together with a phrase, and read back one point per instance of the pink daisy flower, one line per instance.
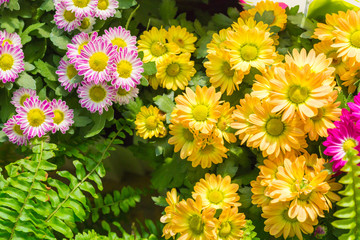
(106, 8)
(12, 38)
(341, 139)
(68, 75)
(128, 69)
(63, 116)
(65, 19)
(20, 95)
(96, 61)
(14, 133)
(81, 8)
(123, 97)
(77, 44)
(11, 62)
(87, 24)
(35, 117)
(96, 96)
(121, 38)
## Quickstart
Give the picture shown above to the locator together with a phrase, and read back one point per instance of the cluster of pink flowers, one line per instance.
(35, 118)
(345, 136)
(71, 14)
(105, 69)
(11, 56)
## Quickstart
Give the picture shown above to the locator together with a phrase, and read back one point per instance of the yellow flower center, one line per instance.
(298, 94)
(355, 39)
(8, 41)
(188, 136)
(97, 93)
(36, 117)
(349, 144)
(6, 62)
(58, 116)
(225, 229)
(85, 23)
(196, 224)
(151, 122)
(81, 3)
(103, 4)
(319, 115)
(207, 150)
(200, 112)
(215, 197)
(98, 61)
(17, 130)
(173, 69)
(275, 127)
(121, 92)
(124, 69)
(81, 46)
(119, 42)
(23, 98)
(69, 16)
(248, 52)
(71, 72)
(226, 68)
(179, 42)
(222, 124)
(158, 49)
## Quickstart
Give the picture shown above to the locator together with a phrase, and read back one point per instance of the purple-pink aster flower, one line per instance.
(14, 133)
(121, 38)
(68, 75)
(106, 8)
(11, 62)
(63, 116)
(20, 95)
(35, 117)
(81, 8)
(65, 19)
(77, 44)
(12, 38)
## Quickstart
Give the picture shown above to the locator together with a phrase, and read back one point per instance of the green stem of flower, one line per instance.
(131, 16)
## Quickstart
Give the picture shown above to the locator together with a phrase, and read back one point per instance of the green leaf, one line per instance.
(26, 81)
(35, 49)
(46, 70)
(125, 4)
(80, 121)
(164, 103)
(149, 68)
(267, 17)
(25, 38)
(99, 121)
(168, 10)
(47, 5)
(59, 39)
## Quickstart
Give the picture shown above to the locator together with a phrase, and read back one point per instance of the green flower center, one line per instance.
(98, 61)
(355, 39)
(23, 98)
(85, 23)
(121, 92)
(248, 52)
(97, 93)
(275, 127)
(225, 229)
(119, 42)
(69, 16)
(298, 94)
(173, 69)
(124, 69)
(287, 218)
(58, 116)
(71, 72)
(208, 149)
(200, 112)
(349, 144)
(17, 130)
(196, 224)
(103, 4)
(81, 3)
(151, 122)
(158, 49)
(36, 117)
(189, 137)
(6, 61)
(226, 68)
(215, 196)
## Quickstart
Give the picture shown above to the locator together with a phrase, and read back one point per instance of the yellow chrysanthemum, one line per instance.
(279, 223)
(318, 125)
(211, 151)
(183, 139)
(154, 46)
(241, 117)
(347, 37)
(224, 122)
(272, 134)
(350, 77)
(182, 38)
(218, 68)
(262, 87)
(258, 193)
(300, 91)
(217, 41)
(153, 81)
(324, 32)
(175, 71)
(149, 123)
(199, 110)
(193, 223)
(280, 17)
(230, 224)
(172, 199)
(250, 48)
(217, 192)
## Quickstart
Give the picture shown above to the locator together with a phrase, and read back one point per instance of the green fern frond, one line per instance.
(90, 235)
(116, 202)
(135, 234)
(350, 213)
(249, 233)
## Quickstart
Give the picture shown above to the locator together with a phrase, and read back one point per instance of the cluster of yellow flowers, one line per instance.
(340, 40)
(194, 218)
(150, 122)
(171, 51)
(293, 192)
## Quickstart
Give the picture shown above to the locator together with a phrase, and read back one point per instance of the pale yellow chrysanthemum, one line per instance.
(217, 192)
(149, 123)
(217, 41)
(154, 82)
(183, 139)
(350, 77)
(262, 87)
(324, 32)
(182, 38)
(172, 199)
(230, 224)
(222, 129)
(258, 193)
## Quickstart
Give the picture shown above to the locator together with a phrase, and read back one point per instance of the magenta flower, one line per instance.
(14, 133)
